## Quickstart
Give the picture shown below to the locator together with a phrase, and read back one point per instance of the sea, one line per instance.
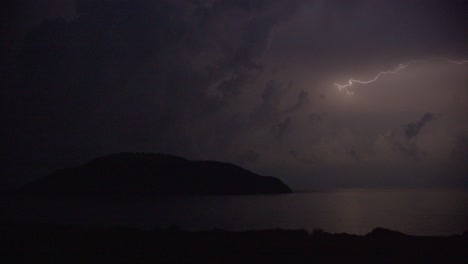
(429, 212)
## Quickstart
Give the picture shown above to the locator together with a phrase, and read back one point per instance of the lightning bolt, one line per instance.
(397, 69)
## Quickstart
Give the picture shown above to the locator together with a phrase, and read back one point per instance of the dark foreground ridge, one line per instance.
(27, 243)
(145, 173)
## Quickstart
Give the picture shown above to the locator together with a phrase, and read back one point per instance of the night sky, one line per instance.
(245, 82)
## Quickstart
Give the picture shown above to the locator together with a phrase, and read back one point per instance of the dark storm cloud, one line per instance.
(272, 109)
(280, 131)
(129, 75)
(460, 156)
(249, 156)
(301, 158)
(231, 86)
(353, 153)
(408, 148)
(405, 142)
(302, 101)
(238, 81)
(340, 34)
(18, 17)
(412, 129)
(460, 151)
(269, 109)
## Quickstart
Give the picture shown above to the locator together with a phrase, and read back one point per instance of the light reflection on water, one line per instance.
(357, 211)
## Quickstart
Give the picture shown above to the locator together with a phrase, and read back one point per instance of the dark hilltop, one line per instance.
(148, 174)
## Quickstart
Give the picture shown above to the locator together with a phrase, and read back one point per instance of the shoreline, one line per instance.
(65, 243)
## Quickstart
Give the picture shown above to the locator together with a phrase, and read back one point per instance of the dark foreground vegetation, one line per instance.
(28, 243)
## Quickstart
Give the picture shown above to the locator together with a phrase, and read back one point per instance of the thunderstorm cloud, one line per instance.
(247, 82)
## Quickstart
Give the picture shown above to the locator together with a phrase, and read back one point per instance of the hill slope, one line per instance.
(145, 173)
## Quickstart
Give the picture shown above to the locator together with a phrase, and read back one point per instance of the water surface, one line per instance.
(357, 211)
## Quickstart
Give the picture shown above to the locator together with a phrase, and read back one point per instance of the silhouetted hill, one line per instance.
(144, 173)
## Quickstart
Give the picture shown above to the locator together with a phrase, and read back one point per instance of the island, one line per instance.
(154, 174)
